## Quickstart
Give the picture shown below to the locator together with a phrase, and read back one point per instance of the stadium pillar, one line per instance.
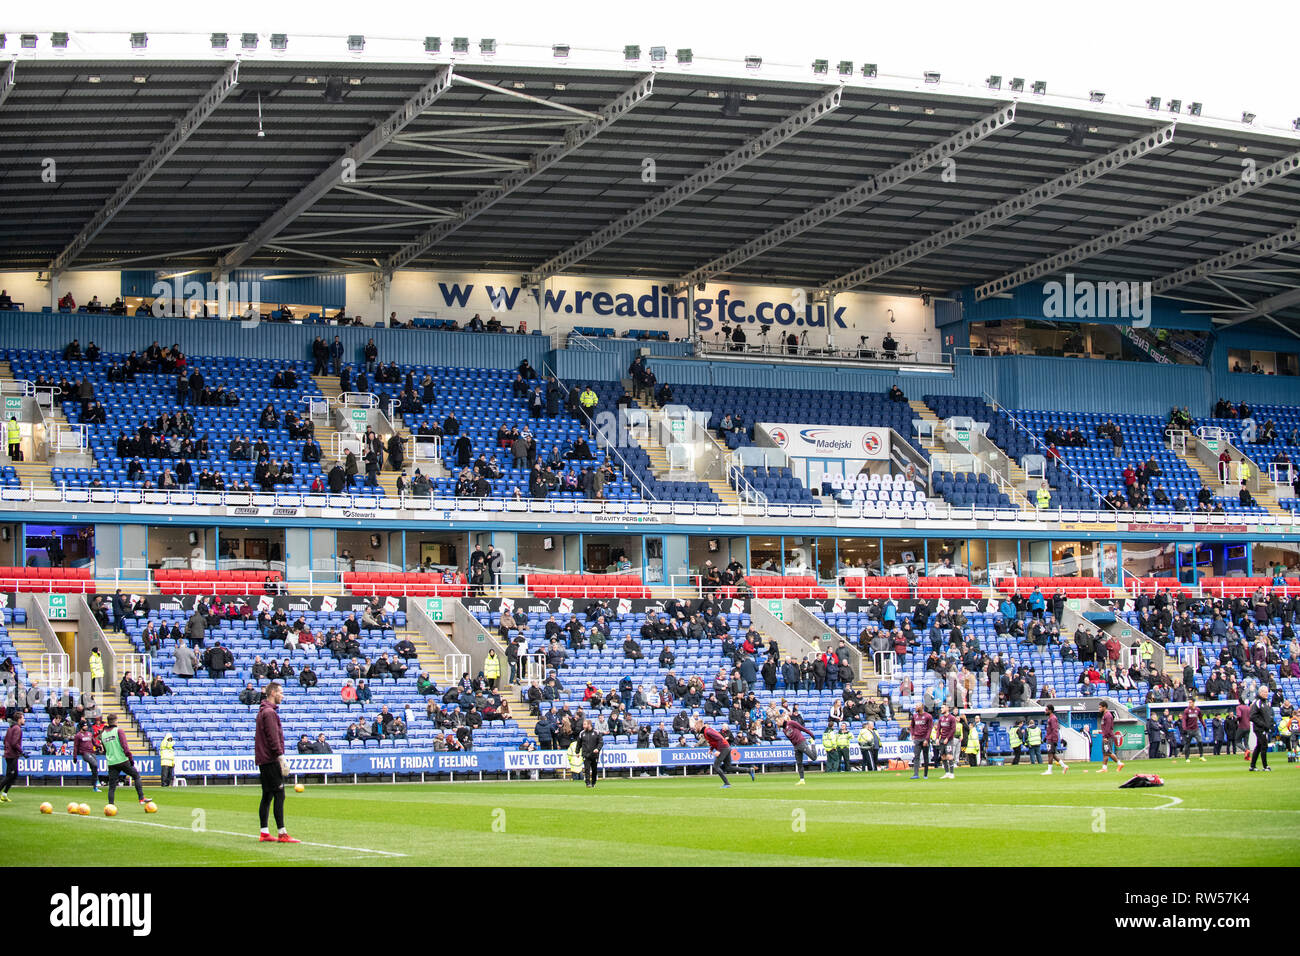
(830, 313)
(54, 292)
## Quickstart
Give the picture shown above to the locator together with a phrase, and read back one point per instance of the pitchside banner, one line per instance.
(411, 762)
(828, 441)
(43, 766)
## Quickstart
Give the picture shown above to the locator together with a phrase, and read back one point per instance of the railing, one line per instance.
(69, 438)
(885, 662)
(343, 442)
(602, 439)
(408, 507)
(137, 665)
(867, 355)
(1281, 475)
(453, 665)
(532, 667)
(55, 671)
(576, 340)
(1039, 443)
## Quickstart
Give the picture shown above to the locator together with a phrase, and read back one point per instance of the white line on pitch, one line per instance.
(250, 836)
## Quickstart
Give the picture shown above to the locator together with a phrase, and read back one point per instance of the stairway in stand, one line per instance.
(659, 465)
(329, 386)
(111, 701)
(30, 473)
(1209, 476)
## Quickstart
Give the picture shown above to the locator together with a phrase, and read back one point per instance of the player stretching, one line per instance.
(922, 723)
(800, 738)
(717, 742)
(1192, 731)
(947, 726)
(1109, 751)
(272, 765)
(1053, 736)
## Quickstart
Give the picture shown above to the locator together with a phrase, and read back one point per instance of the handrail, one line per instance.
(581, 341)
(993, 403)
(599, 434)
(372, 504)
(867, 355)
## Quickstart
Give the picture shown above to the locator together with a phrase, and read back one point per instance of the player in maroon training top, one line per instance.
(922, 724)
(800, 738)
(1053, 737)
(947, 727)
(268, 750)
(13, 753)
(1191, 720)
(1109, 750)
(718, 743)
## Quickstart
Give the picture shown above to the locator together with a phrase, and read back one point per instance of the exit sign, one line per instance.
(433, 607)
(58, 607)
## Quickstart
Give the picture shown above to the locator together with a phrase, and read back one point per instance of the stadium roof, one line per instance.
(602, 165)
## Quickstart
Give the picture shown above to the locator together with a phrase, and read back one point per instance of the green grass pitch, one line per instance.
(1211, 814)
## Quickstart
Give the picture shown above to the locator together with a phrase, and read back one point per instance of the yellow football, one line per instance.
(84, 809)
(151, 807)
(47, 808)
(73, 807)
(298, 788)
(110, 810)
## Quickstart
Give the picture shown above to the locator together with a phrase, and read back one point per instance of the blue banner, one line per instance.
(43, 766)
(407, 762)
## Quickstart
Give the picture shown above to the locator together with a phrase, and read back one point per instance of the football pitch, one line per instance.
(1211, 814)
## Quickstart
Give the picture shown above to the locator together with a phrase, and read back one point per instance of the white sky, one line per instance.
(1231, 57)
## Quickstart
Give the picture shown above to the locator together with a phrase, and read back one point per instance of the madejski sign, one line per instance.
(828, 441)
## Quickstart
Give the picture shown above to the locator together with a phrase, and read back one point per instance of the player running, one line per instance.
(800, 738)
(1053, 736)
(922, 724)
(717, 742)
(1109, 751)
(947, 728)
(120, 761)
(1191, 721)
(272, 765)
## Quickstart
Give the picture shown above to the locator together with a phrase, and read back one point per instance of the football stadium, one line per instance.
(433, 450)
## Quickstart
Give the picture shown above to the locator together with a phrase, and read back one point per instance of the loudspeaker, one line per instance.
(194, 538)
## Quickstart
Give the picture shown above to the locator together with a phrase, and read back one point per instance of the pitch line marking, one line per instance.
(253, 836)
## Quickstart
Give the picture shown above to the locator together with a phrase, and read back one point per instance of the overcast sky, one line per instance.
(1231, 57)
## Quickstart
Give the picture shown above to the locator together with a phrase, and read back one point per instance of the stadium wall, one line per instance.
(269, 340)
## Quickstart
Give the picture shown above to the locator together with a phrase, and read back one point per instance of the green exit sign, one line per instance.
(360, 418)
(433, 607)
(58, 606)
(776, 609)
(13, 404)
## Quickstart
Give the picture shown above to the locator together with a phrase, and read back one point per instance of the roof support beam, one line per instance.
(1017, 205)
(1169, 216)
(1228, 260)
(574, 139)
(912, 166)
(7, 81)
(1262, 309)
(748, 151)
(155, 160)
(333, 175)
(505, 91)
